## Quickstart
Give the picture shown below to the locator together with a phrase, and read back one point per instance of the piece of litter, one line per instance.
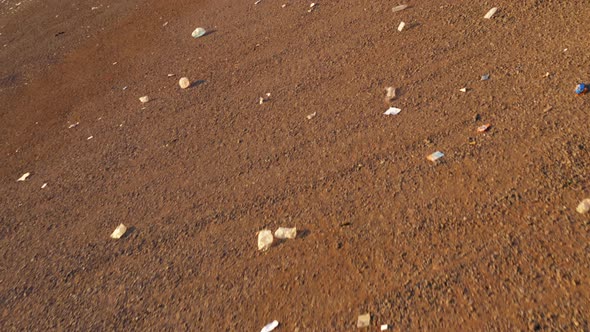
(392, 111)
(73, 125)
(581, 89)
(547, 109)
(261, 100)
(363, 321)
(286, 233)
(311, 116)
(384, 327)
(119, 232)
(89, 138)
(483, 128)
(435, 156)
(463, 90)
(199, 32)
(184, 83)
(44, 185)
(171, 75)
(23, 177)
(265, 239)
(144, 99)
(165, 24)
(311, 7)
(485, 77)
(546, 75)
(491, 13)
(399, 8)
(257, 2)
(584, 206)
(270, 326)
(390, 94)
(401, 26)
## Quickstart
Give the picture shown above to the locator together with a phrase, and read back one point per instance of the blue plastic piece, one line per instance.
(581, 88)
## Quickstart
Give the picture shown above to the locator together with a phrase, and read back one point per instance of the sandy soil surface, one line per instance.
(488, 238)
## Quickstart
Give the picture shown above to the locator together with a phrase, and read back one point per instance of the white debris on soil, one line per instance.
(119, 232)
(363, 321)
(311, 7)
(286, 233)
(311, 116)
(184, 83)
(23, 177)
(491, 13)
(44, 186)
(89, 138)
(270, 326)
(265, 239)
(390, 94)
(399, 8)
(144, 99)
(393, 111)
(73, 125)
(435, 156)
(584, 206)
(401, 26)
(384, 327)
(199, 32)
(463, 89)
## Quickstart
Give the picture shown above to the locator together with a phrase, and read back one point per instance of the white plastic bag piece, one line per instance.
(392, 111)
(286, 233)
(435, 156)
(119, 232)
(23, 177)
(270, 326)
(265, 239)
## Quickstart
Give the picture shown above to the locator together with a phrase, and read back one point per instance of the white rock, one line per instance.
(144, 99)
(286, 233)
(119, 232)
(199, 32)
(184, 83)
(265, 239)
(401, 26)
(584, 206)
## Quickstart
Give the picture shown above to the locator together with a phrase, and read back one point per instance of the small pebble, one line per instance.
(584, 206)
(144, 99)
(184, 83)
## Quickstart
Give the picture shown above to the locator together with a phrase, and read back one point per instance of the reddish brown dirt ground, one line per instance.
(487, 239)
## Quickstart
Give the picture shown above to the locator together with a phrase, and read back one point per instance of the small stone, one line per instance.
(584, 206)
(286, 233)
(119, 232)
(199, 32)
(144, 99)
(363, 321)
(265, 239)
(184, 83)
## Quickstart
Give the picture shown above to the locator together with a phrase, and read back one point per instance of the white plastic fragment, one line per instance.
(44, 186)
(584, 206)
(491, 13)
(184, 83)
(73, 125)
(199, 32)
(401, 26)
(392, 111)
(435, 156)
(463, 89)
(286, 233)
(257, 2)
(144, 99)
(311, 7)
(89, 138)
(270, 326)
(119, 232)
(384, 327)
(363, 321)
(265, 239)
(312, 115)
(399, 8)
(23, 177)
